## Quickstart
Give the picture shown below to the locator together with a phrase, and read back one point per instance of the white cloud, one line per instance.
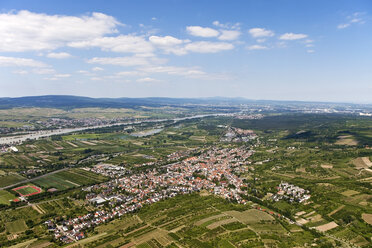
(356, 17)
(226, 25)
(62, 75)
(57, 77)
(292, 36)
(229, 35)
(218, 24)
(96, 78)
(165, 40)
(260, 32)
(97, 68)
(202, 31)
(147, 80)
(61, 55)
(169, 44)
(22, 62)
(174, 70)
(257, 47)
(342, 26)
(130, 73)
(43, 71)
(51, 78)
(311, 51)
(121, 43)
(28, 31)
(120, 61)
(208, 47)
(83, 72)
(20, 72)
(309, 43)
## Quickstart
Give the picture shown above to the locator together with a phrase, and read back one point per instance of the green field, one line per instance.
(16, 226)
(10, 179)
(180, 222)
(69, 179)
(296, 148)
(6, 197)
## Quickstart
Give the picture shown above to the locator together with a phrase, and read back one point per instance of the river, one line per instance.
(34, 135)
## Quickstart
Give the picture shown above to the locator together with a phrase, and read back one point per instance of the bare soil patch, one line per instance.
(326, 227)
(350, 192)
(336, 210)
(347, 140)
(71, 144)
(87, 143)
(362, 162)
(326, 166)
(367, 218)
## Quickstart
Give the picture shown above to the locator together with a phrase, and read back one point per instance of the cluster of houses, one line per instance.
(238, 135)
(250, 117)
(213, 170)
(179, 154)
(291, 193)
(109, 170)
(8, 148)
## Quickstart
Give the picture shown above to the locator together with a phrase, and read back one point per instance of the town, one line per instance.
(215, 171)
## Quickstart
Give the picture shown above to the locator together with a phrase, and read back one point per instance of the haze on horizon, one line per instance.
(272, 50)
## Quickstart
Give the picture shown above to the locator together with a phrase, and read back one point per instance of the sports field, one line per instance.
(27, 190)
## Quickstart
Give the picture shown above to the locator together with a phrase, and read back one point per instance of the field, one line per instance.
(16, 226)
(6, 197)
(327, 227)
(304, 150)
(10, 179)
(367, 218)
(69, 179)
(186, 221)
(346, 140)
(250, 216)
(27, 190)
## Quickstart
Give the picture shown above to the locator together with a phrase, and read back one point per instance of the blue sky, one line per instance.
(279, 50)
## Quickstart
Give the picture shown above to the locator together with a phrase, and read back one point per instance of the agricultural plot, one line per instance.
(6, 197)
(54, 181)
(367, 218)
(69, 179)
(250, 216)
(362, 163)
(327, 227)
(10, 179)
(16, 226)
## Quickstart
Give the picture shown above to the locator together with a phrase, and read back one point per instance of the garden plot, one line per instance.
(250, 216)
(326, 227)
(367, 218)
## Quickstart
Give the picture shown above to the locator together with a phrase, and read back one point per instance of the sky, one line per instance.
(274, 50)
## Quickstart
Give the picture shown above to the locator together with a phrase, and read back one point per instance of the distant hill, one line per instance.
(70, 102)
